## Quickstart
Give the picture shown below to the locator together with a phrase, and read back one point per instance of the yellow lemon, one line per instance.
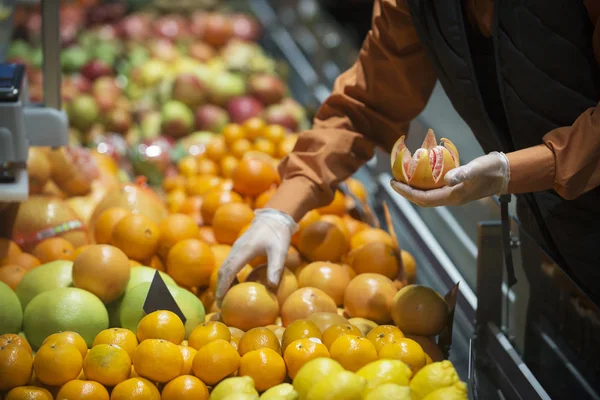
(344, 385)
(433, 377)
(389, 391)
(457, 391)
(285, 391)
(385, 371)
(236, 385)
(313, 372)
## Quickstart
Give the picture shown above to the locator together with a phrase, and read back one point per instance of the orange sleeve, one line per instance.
(371, 104)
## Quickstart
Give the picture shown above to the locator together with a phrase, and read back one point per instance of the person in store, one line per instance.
(523, 74)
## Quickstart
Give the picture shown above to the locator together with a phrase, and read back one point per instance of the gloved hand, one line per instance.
(483, 177)
(270, 232)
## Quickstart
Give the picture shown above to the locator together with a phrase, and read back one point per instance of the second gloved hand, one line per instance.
(483, 177)
(270, 233)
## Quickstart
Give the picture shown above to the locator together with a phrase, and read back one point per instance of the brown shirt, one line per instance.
(373, 102)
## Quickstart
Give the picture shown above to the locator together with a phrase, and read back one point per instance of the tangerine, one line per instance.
(228, 164)
(12, 275)
(208, 332)
(274, 133)
(207, 235)
(253, 176)
(233, 132)
(52, 249)
(68, 337)
(105, 224)
(25, 260)
(190, 263)
(121, 337)
(336, 207)
(16, 365)
(108, 364)
(188, 166)
(56, 365)
(215, 199)
(240, 147)
(188, 354)
(173, 182)
(82, 390)
(215, 361)
(286, 146)
(135, 389)
(175, 200)
(406, 350)
(229, 220)
(161, 324)
(265, 366)
(174, 228)
(14, 339)
(299, 329)
(301, 351)
(216, 149)
(158, 360)
(335, 331)
(258, 338)
(206, 166)
(185, 387)
(265, 146)
(137, 236)
(384, 334)
(254, 127)
(353, 352)
(201, 184)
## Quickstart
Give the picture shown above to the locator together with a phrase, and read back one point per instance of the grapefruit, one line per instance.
(142, 274)
(323, 241)
(11, 314)
(329, 277)
(370, 296)
(287, 285)
(304, 302)
(38, 170)
(64, 309)
(53, 275)
(249, 305)
(419, 310)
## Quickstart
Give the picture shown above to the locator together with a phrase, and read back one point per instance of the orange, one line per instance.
(108, 364)
(8, 249)
(207, 235)
(323, 241)
(29, 393)
(304, 302)
(274, 133)
(52, 249)
(249, 305)
(25, 260)
(185, 387)
(228, 164)
(254, 127)
(16, 364)
(158, 360)
(324, 320)
(301, 351)
(188, 354)
(372, 235)
(265, 366)
(201, 184)
(55, 365)
(135, 389)
(162, 324)
(253, 176)
(220, 253)
(105, 224)
(299, 329)
(206, 166)
(264, 146)
(121, 337)
(175, 200)
(215, 361)
(188, 166)
(353, 352)
(337, 221)
(244, 273)
(286, 145)
(309, 218)
(429, 346)
(190, 263)
(216, 149)
(233, 132)
(68, 337)
(410, 267)
(406, 350)
(175, 228)
(329, 277)
(215, 199)
(229, 220)
(156, 263)
(137, 235)
(133, 263)
(103, 270)
(370, 296)
(12, 275)
(263, 198)
(287, 285)
(419, 310)
(377, 257)
(357, 189)
(258, 338)
(80, 250)
(240, 147)
(14, 339)
(173, 182)
(336, 207)
(384, 334)
(208, 332)
(82, 390)
(353, 226)
(191, 205)
(335, 331)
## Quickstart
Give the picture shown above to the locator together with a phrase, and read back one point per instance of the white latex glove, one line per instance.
(270, 233)
(483, 177)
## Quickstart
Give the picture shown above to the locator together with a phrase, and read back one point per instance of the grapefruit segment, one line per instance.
(397, 150)
(429, 142)
(447, 143)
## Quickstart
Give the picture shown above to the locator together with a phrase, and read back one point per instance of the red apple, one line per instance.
(267, 88)
(177, 119)
(211, 118)
(246, 28)
(94, 69)
(81, 82)
(243, 108)
(171, 27)
(189, 90)
(278, 114)
(106, 85)
(218, 30)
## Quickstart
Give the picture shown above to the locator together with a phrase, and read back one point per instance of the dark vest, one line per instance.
(536, 73)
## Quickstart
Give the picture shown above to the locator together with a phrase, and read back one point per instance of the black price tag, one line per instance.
(159, 298)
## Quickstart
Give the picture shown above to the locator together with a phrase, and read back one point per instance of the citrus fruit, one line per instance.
(17, 340)
(68, 337)
(185, 387)
(365, 325)
(11, 314)
(105, 224)
(29, 393)
(299, 329)
(329, 277)
(207, 235)
(240, 147)
(385, 371)
(173, 229)
(335, 331)
(216, 148)
(175, 200)
(188, 354)
(433, 377)
(304, 302)
(143, 274)
(56, 365)
(429, 346)
(313, 372)
(264, 146)
(190, 263)
(389, 391)
(457, 391)
(249, 305)
(371, 235)
(188, 166)
(383, 335)
(419, 310)
(8, 249)
(207, 332)
(370, 296)
(323, 241)
(215, 199)
(102, 270)
(233, 132)
(325, 319)
(173, 182)
(158, 360)
(258, 338)
(337, 221)
(342, 385)
(162, 324)
(353, 352)
(301, 351)
(24, 260)
(239, 385)
(137, 235)
(229, 220)
(378, 258)
(353, 226)
(16, 365)
(82, 390)
(336, 207)
(135, 389)
(410, 267)
(46, 277)
(215, 361)
(253, 176)
(228, 164)
(64, 309)
(11, 275)
(205, 166)
(200, 185)
(53, 249)
(108, 364)
(265, 366)
(406, 350)
(283, 391)
(123, 338)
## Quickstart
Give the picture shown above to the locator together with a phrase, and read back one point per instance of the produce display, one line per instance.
(178, 124)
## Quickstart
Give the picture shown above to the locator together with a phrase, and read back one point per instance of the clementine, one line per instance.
(228, 164)
(16, 364)
(353, 352)
(384, 334)
(240, 147)
(335, 331)
(135, 389)
(215, 361)
(188, 354)
(265, 366)
(68, 337)
(185, 387)
(199, 185)
(233, 132)
(14, 339)
(299, 329)
(229, 220)
(162, 324)
(158, 360)
(215, 199)
(83, 390)
(105, 224)
(121, 337)
(190, 263)
(12, 275)
(253, 176)
(25, 260)
(29, 393)
(301, 351)
(108, 364)
(52, 249)
(208, 332)
(216, 149)
(137, 236)
(258, 338)
(56, 365)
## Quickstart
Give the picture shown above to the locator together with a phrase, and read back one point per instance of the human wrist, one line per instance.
(531, 169)
(279, 217)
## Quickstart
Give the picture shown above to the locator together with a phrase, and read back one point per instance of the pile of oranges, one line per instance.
(156, 361)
